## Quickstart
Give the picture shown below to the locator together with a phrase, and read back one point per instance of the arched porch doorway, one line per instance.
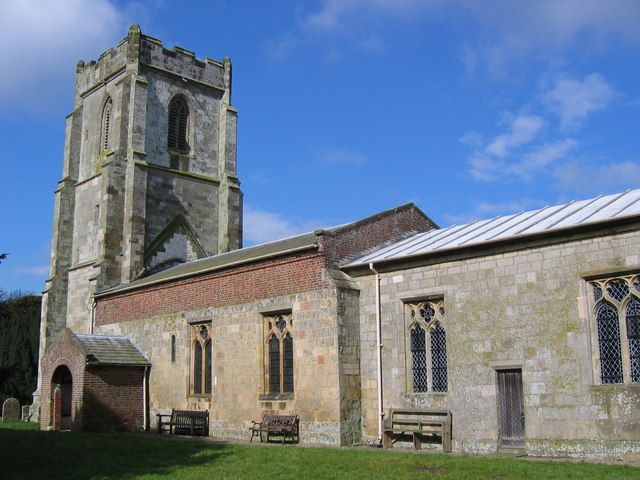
(62, 396)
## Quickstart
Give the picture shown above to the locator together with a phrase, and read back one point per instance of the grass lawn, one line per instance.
(26, 453)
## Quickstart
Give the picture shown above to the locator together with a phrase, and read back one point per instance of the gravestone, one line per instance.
(26, 414)
(10, 410)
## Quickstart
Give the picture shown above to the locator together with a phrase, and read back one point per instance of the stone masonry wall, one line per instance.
(238, 390)
(525, 308)
(169, 195)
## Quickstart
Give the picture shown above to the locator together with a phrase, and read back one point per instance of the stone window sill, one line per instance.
(424, 394)
(206, 396)
(275, 397)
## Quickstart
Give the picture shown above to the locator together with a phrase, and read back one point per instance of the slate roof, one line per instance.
(245, 255)
(601, 209)
(111, 350)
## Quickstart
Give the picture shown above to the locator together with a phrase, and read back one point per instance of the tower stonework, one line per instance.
(149, 176)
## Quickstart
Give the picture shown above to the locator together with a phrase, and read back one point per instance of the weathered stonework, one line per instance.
(324, 307)
(521, 305)
(113, 203)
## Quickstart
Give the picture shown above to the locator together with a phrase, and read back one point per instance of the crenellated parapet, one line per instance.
(136, 50)
(183, 62)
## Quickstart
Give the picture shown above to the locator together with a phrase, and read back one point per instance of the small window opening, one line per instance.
(107, 114)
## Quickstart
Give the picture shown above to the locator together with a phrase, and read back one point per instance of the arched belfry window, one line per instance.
(201, 362)
(616, 310)
(178, 125)
(107, 120)
(427, 346)
(279, 358)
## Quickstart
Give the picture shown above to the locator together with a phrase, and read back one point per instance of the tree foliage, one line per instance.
(19, 337)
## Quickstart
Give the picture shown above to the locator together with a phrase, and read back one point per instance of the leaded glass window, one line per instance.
(439, 358)
(418, 359)
(427, 344)
(279, 358)
(633, 334)
(201, 359)
(617, 316)
(609, 338)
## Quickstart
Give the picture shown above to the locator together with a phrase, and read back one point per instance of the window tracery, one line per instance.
(427, 341)
(201, 363)
(279, 357)
(616, 309)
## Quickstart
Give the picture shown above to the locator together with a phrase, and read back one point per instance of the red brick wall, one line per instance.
(104, 398)
(270, 278)
(63, 351)
(113, 398)
(370, 234)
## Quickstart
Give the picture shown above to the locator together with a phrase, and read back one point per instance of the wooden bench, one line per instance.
(285, 425)
(418, 423)
(184, 422)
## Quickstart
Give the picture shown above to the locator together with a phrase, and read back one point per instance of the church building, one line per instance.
(525, 327)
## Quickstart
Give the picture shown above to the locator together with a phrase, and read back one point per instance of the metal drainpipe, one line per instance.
(145, 425)
(379, 343)
(93, 316)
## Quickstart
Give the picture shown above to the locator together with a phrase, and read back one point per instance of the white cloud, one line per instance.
(589, 177)
(506, 30)
(506, 208)
(338, 156)
(262, 226)
(38, 270)
(542, 157)
(526, 30)
(573, 100)
(42, 41)
(472, 139)
(523, 129)
(281, 48)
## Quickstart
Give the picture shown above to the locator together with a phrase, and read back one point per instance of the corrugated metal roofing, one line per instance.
(574, 214)
(111, 350)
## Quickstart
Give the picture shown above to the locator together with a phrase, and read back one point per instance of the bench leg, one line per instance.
(446, 439)
(417, 445)
(387, 441)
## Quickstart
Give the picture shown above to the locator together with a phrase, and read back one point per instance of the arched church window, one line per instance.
(616, 310)
(427, 341)
(201, 360)
(178, 125)
(107, 120)
(279, 348)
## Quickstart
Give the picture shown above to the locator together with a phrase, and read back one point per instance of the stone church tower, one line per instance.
(149, 176)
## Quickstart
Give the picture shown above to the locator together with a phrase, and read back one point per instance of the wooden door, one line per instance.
(510, 408)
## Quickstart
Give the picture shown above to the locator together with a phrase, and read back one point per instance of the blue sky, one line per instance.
(469, 109)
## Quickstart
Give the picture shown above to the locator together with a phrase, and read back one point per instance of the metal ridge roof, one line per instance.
(600, 209)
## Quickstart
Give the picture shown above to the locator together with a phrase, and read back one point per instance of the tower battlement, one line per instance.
(137, 51)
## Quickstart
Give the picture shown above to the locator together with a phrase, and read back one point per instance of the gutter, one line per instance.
(379, 358)
(206, 270)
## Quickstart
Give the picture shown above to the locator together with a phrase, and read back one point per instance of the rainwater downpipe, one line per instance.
(145, 425)
(379, 355)
(93, 316)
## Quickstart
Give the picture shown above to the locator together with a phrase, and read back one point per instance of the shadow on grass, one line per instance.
(27, 453)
